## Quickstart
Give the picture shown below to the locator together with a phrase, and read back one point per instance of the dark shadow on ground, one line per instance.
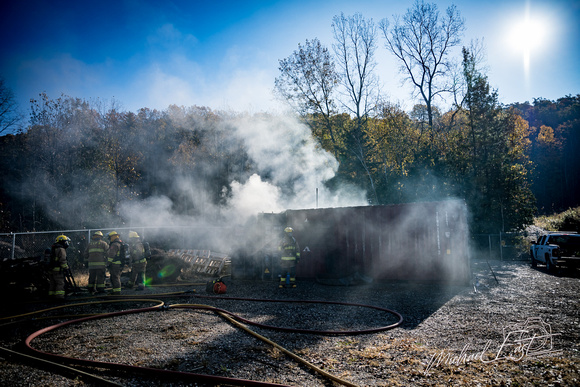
(415, 301)
(559, 272)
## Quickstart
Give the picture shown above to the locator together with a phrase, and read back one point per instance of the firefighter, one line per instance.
(97, 260)
(58, 267)
(290, 255)
(138, 261)
(116, 261)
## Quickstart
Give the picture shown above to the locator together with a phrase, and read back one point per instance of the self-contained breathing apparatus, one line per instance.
(70, 285)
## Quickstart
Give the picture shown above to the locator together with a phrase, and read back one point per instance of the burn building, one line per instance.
(413, 241)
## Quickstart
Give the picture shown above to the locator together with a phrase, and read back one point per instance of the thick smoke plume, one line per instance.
(289, 171)
(284, 149)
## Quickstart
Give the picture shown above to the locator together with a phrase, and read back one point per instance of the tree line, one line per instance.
(498, 158)
(77, 161)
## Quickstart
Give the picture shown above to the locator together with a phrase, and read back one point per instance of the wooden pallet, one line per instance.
(203, 261)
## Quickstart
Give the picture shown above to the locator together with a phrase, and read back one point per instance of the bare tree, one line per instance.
(9, 116)
(355, 46)
(307, 81)
(422, 41)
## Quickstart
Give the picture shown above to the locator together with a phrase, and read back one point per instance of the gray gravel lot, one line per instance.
(519, 330)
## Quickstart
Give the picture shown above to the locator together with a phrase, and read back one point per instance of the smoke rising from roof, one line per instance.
(289, 169)
(97, 167)
(285, 151)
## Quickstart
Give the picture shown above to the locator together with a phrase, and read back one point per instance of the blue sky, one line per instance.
(224, 54)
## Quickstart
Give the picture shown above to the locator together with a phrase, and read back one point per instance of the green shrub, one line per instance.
(568, 220)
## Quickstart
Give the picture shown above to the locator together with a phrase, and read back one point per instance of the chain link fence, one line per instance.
(33, 245)
(15, 246)
(511, 246)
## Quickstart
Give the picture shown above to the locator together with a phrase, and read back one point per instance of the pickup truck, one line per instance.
(556, 250)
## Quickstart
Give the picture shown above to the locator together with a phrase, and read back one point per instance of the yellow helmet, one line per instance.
(133, 234)
(63, 240)
(113, 234)
(288, 229)
(98, 234)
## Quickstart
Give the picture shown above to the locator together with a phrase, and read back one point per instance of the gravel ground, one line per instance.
(520, 328)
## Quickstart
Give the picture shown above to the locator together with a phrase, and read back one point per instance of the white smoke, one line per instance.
(252, 197)
(290, 173)
(284, 150)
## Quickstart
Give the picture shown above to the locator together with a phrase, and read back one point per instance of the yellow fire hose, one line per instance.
(278, 346)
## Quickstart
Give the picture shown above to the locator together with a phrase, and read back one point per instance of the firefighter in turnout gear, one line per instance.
(138, 262)
(58, 267)
(97, 261)
(115, 261)
(290, 255)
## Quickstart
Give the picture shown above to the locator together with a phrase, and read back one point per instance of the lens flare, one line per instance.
(166, 271)
(528, 37)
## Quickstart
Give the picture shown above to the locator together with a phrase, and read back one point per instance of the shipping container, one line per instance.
(411, 241)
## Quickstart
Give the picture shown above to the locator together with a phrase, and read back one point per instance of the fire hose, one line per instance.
(232, 318)
(57, 366)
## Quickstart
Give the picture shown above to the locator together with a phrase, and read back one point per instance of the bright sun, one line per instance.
(528, 36)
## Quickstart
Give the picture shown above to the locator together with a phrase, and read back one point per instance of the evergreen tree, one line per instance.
(498, 191)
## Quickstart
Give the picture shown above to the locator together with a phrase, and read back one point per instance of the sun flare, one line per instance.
(528, 36)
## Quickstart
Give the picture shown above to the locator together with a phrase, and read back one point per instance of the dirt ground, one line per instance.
(513, 326)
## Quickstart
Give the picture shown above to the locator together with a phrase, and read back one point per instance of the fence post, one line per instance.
(489, 239)
(13, 245)
(500, 248)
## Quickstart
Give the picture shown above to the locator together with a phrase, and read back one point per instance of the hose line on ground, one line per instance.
(85, 375)
(52, 365)
(230, 317)
(313, 331)
(152, 372)
(81, 304)
(289, 353)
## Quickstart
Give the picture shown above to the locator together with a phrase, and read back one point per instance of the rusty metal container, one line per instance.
(412, 241)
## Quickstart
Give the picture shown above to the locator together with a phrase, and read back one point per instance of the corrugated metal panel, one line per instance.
(414, 241)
